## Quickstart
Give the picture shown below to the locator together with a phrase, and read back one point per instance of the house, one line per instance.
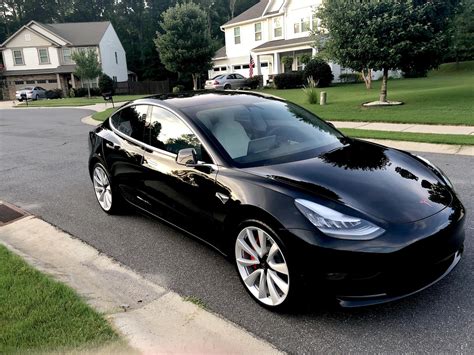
(41, 54)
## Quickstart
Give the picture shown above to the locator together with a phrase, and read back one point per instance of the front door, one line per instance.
(185, 196)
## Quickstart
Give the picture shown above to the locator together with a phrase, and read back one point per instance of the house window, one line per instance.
(116, 58)
(27, 37)
(43, 55)
(223, 68)
(245, 66)
(115, 79)
(19, 82)
(303, 25)
(67, 55)
(316, 23)
(277, 27)
(40, 81)
(264, 65)
(30, 81)
(237, 35)
(237, 67)
(53, 81)
(216, 69)
(18, 57)
(258, 31)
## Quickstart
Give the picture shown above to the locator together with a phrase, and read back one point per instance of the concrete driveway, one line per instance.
(43, 168)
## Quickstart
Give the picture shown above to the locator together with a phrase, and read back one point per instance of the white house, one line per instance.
(41, 54)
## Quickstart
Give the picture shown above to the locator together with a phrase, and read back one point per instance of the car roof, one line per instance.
(204, 97)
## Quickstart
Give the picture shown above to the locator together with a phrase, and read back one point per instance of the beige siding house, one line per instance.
(41, 54)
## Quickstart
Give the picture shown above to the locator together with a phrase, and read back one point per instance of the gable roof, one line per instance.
(73, 33)
(220, 53)
(254, 12)
(79, 33)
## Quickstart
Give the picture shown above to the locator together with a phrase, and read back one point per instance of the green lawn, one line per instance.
(78, 101)
(41, 315)
(411, 137)
(446, 96)
(103, 115)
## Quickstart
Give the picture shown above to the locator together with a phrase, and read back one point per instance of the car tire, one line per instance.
(107, 196)
(227, 87)
(37, 98)
(264, 272)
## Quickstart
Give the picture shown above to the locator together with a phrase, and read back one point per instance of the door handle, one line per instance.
(111, 145)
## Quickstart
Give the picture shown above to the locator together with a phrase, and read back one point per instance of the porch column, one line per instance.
(257, 65)
(58, 79)
(314, 51)
(73, 81)
(276, 63)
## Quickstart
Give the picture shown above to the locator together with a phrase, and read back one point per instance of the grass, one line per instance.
(41, 315)
(457, 139)
(103, 115)
(197, 301)
(446, 96)
(77, 101)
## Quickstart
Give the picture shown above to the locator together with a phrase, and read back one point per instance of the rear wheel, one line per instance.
(227, 87)
(37, 97)
(262, 264)
(109, 199)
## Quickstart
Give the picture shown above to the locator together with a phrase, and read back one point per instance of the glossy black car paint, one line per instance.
(422, 216)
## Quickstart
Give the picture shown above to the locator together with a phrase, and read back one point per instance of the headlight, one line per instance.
(438, 170)
(336, 224)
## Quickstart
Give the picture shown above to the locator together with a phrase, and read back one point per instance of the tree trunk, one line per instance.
(89, 90)
(367, 78)
(383, 91)
(195, 81)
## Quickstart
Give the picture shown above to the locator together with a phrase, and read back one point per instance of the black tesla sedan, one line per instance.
(292, 201)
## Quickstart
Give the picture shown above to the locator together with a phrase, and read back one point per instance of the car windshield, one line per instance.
(265, 132)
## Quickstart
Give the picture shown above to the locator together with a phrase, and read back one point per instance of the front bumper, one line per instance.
(407, 259)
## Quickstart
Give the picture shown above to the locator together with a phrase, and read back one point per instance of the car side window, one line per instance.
(131, 121)
(231, 76)
(167, 132)
(238, 76)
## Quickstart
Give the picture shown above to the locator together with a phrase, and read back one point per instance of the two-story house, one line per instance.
(41, 54)
(268, 31)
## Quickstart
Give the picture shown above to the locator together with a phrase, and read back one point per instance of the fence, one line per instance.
(142, 87)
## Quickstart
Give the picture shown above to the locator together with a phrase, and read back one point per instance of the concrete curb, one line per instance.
(427, 147)
(90, 121)
(151, 318)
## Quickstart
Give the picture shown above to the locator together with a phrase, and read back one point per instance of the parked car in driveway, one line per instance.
(226, 82)
(287, 197)
(31, 93)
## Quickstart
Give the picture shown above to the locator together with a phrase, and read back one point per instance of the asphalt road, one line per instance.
(43, 169)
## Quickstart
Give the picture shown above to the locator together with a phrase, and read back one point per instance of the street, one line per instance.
(43, 169)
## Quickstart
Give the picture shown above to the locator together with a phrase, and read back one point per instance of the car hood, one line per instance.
(381, 182)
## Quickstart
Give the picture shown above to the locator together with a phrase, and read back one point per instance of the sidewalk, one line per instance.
(406, 127)
(151, 318)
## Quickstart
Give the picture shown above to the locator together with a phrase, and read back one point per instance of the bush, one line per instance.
(54, 94)
(311, 92)
(178, 88)
(415, 73)
(254, 82)
(320, 71)
(351, 78)
(82, 92)
(288, 80)
(106, 84)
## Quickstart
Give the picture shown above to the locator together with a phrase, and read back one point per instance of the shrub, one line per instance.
(305, 59)
(311, 92)
(320, 71)
(350, 78)
(178, 88)
(288, 80)
(254, 82)
(82, 92)
(54, 94)
(106, 84)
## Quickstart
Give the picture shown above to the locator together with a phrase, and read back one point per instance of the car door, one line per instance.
(184, 196)
(231, 80)
(239, 80)
(123, 151)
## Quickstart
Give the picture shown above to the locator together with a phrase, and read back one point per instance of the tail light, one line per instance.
(30, 92)
(216, 82)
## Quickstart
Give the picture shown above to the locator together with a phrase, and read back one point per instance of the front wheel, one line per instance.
(262, 264)
(109, 199)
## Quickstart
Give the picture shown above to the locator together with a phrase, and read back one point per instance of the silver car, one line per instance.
(226, 82)
(31, 93)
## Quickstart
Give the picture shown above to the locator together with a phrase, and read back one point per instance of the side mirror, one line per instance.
(186, 157)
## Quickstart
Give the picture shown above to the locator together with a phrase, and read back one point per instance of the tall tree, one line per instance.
(186, 45)
(462, 33)
(385, 34)
(87, 66)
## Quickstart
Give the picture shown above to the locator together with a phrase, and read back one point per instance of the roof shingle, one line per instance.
(254, 12)
(79, 33)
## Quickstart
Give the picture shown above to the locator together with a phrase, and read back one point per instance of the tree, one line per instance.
(87, 66)
(186, 45)
(462, 33)
(384, 34)
(106, 84)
